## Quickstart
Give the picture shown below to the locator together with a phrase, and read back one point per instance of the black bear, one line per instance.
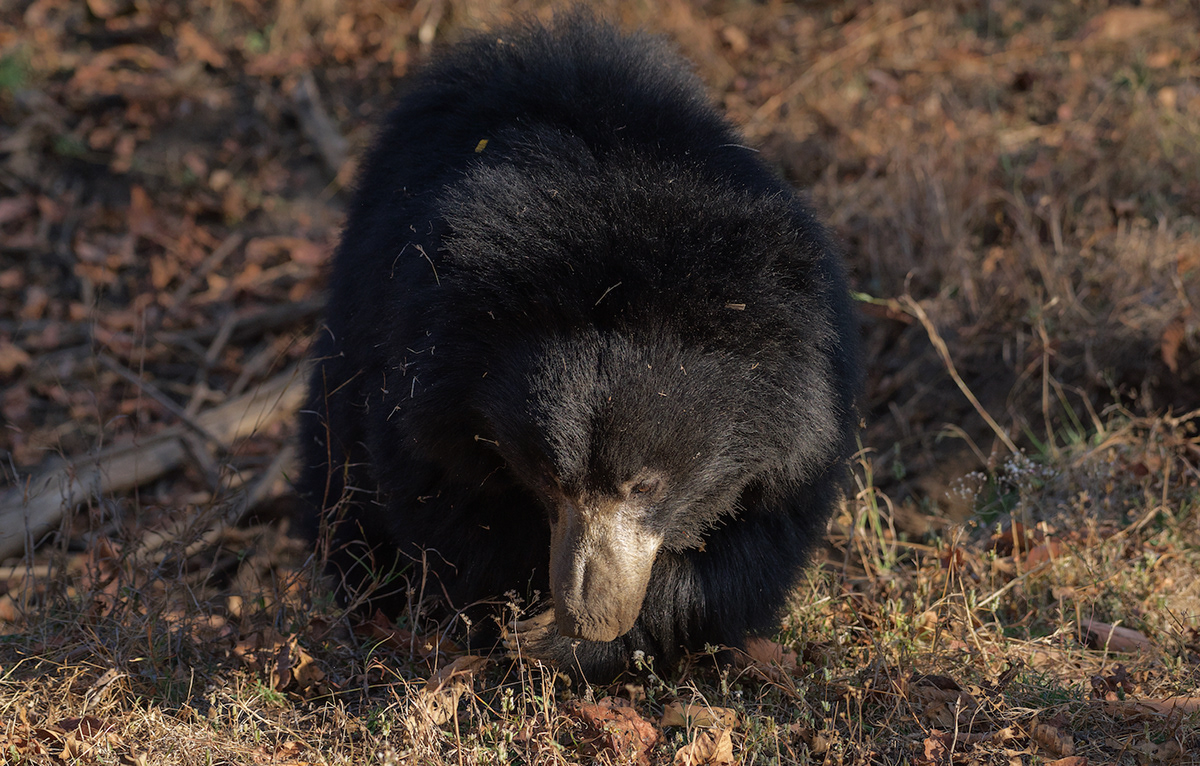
(581, 341)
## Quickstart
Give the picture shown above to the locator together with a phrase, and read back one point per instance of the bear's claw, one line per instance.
(522, 638)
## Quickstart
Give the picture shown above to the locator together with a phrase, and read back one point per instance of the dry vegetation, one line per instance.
(1018, 187)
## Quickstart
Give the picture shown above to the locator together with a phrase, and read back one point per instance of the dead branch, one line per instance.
(935, 338)
(29, 511)
(317, 124)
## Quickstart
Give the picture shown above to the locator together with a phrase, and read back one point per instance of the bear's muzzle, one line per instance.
(601, 554)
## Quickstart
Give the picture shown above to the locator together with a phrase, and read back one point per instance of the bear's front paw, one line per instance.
(532, 639)
(538, 640)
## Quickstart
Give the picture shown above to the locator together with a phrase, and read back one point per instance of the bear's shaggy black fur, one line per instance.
(580, 341)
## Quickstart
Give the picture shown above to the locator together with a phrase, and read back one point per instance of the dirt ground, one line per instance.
(1014, 576)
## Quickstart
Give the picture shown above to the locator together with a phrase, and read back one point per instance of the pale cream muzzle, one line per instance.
(601, 556)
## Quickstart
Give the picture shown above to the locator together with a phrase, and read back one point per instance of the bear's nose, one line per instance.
(601, 555)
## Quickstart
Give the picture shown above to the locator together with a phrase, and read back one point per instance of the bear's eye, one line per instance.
(644, 487)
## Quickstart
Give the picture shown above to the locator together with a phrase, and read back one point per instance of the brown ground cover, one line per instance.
(1015, 574)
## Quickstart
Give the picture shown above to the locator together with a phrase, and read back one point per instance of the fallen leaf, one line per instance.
(14, 208)
(952, 559)
(1071, 760)
(383, 630)
(12, 279)
(143, 221)
(704, 716)
(942, 702)
(192, 44)
(612, 725)
(769, 652)
(936, 749)
(106, 9)
(707, 749)
(1172, 340)
(945, 742)
(12, 358)
(1107, 687)
(281, 658)
(305, 671)
(1012, 538)
(37, 298)
(88, 727)
(134, 70)
(297, 249)
(1047, 551)
(768, 660)
(439, 706)
(1052, 738)
(817, 741)
(737, 40)
(1156, 752)
(462, 667)
(8, 609)
(1124, 23)
(439, 699)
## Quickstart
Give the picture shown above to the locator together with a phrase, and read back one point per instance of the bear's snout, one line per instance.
(601, 556)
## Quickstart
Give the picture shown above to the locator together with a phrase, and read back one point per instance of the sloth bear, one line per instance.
(580, 341)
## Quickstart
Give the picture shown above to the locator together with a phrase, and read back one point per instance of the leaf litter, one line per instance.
(1016, 188)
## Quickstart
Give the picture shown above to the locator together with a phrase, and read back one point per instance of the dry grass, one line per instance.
(1017, 185)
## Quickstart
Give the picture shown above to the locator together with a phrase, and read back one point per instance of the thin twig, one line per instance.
(806, 80)
(215, 259)
(165, 401)
(935, 338)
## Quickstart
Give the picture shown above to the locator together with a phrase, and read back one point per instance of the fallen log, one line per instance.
(31, 509)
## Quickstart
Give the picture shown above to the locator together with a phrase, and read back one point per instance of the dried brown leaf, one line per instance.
(770, 653)
(1052, 738)
(1049, 550)
(936, 749)
(8, 609)
(193, 45)
(769, 661)
(297, 249)
(1129, 707)
(817, 741)
(612, 726)
(441, 705)
(462, 668)
(281, 658)
(12, 359)
(106, 9)
(941, 702)
(37, 298)
(1013, 538)
(707, 749)
(1172, 339)
(382, 629)
(439, 699)
(14, 208)
(1124, 23)
(704, 716)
